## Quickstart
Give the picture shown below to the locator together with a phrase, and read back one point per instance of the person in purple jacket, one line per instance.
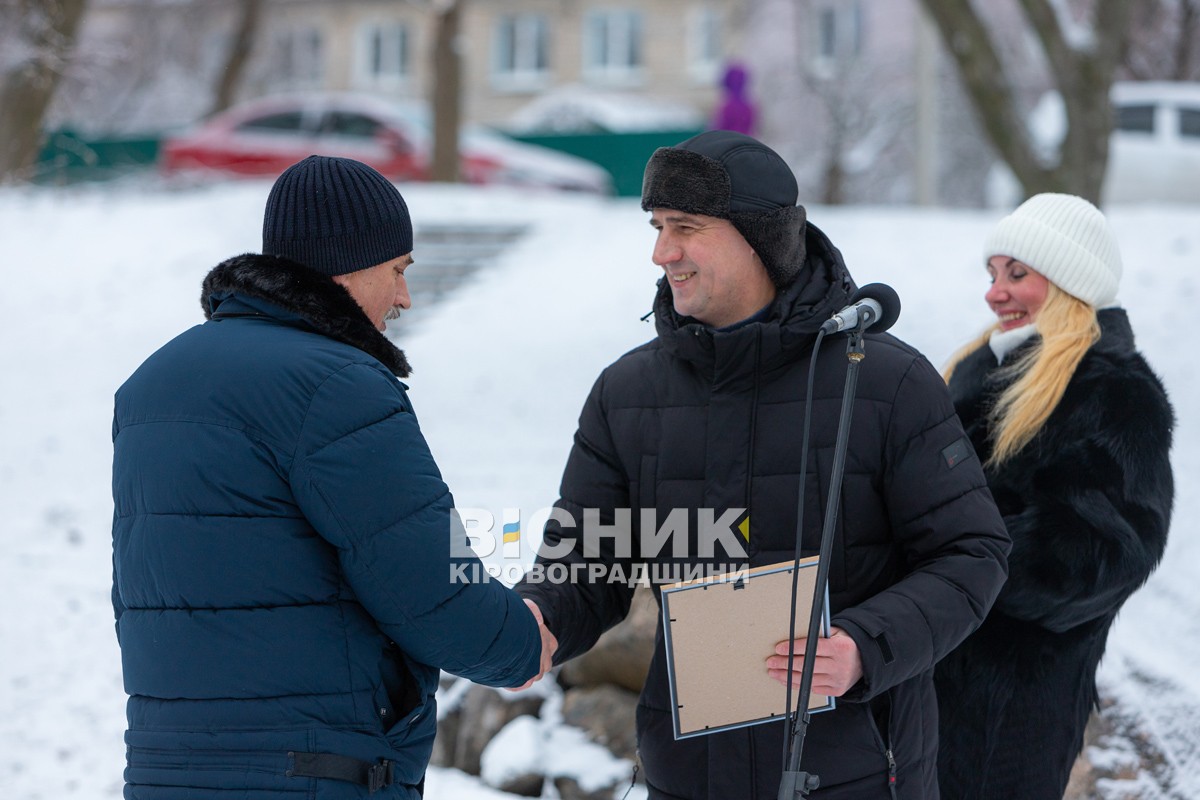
(736, 112)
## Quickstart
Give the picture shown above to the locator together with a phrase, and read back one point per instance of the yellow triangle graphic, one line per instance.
(744, 527)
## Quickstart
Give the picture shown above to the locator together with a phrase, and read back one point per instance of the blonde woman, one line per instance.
(1074, 431)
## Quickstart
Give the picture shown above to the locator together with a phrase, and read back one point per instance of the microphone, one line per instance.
(875, 306)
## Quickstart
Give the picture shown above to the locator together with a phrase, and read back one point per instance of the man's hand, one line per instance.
(549, 645)
(837, 667)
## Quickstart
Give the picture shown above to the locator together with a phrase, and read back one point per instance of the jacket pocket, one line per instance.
(398, 693)
(225, 760)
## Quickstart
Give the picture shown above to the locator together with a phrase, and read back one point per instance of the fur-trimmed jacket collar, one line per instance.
(305, 294)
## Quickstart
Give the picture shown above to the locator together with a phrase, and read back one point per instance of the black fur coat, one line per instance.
(1087, 504)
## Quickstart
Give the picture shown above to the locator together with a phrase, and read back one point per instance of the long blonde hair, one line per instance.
(1068, 327)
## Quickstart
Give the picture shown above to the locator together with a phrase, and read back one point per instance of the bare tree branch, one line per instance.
(1164, 41)
(1083, 76)
(984, 76)
(1049, 31)
(1114, 19)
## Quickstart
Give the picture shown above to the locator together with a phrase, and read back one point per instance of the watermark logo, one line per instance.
(556, 572)
(683, 545)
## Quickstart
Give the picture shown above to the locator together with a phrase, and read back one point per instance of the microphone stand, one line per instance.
(796, 783)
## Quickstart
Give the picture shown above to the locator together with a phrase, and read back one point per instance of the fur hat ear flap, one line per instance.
(777, 237)
(685, 181)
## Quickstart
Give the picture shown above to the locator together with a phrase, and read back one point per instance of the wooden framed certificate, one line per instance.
(719, 632)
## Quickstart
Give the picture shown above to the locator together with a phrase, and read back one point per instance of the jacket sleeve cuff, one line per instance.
(875, 653)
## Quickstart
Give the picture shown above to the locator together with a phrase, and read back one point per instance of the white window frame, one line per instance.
(385, 55)
(705, 53)
(521, 52)
(620, 59)
(301, 56)
(837, 34)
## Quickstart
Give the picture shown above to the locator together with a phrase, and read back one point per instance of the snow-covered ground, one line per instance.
(97, 278)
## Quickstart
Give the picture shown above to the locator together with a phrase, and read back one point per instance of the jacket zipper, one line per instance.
(753, 429)
(886, 744)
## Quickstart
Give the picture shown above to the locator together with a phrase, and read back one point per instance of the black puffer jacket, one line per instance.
(704, 419)
(1087, 504)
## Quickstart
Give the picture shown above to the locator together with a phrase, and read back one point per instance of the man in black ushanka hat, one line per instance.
(707, 419)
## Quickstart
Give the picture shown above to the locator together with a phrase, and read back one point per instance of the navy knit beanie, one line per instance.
(335, 215)
(735, 177)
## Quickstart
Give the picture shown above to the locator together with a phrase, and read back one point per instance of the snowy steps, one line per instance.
(446, 254)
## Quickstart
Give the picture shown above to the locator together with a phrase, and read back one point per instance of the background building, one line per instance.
(860, 97)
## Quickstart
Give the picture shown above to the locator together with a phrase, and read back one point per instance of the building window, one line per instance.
(300, 57)
(704, 45)
(827, 33)
(612, 46)
(1135, 118)
(839, 33)
(1189, 123)
(385, 54)
(521, 50)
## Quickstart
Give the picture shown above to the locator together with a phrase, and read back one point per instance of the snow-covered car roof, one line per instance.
(1124, 92)
(578, 109)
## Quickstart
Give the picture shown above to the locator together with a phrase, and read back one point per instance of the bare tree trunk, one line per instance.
(833, 172)
(1084, 75)
(983, 77)
(47, 31)
(447, 94)
(833, 179)
(240, 50)
(1185, 45)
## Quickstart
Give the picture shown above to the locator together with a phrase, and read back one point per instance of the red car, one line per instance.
(266, 136)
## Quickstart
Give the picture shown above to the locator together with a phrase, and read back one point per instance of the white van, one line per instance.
(1154, 153)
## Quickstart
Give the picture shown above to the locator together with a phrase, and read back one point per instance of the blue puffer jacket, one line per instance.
(282, 553)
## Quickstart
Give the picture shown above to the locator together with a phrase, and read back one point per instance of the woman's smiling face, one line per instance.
(1017, 292)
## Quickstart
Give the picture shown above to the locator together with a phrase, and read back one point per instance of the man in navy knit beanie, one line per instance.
(343, 219)
(287, 561)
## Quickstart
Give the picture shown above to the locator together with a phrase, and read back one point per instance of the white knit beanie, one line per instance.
(1065, 238)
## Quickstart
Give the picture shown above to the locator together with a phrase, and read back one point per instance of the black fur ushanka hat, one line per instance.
(738, 178)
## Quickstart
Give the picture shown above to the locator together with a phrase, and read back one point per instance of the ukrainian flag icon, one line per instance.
(511, 548)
